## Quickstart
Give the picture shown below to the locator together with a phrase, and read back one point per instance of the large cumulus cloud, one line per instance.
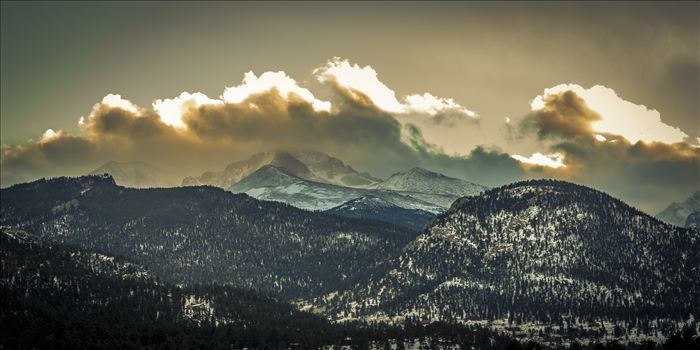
(193, 132)
(649, 172)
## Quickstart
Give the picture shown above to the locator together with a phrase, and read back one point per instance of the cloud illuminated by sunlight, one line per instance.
(362, 79)
(430, 104)
(110, 101)
(116, 101)
(253, 84)
(49, 135)
(365, 80)
(554, 160)
(620, 117)
(172, 110)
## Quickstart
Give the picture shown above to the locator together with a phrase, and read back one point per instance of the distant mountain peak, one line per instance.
(137, 174)
(275, 183)
(267, 176)
(310, 165)
(290, 163)
(418, 171)
(421, 180)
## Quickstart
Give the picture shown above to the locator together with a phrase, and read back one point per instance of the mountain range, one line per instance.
(278, 184)
(316, 181)
(317, 168)
(204, 234)
(541, 259)
(308, 165)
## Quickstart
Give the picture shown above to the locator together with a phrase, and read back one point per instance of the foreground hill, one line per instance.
(58, 297)
(535, 251)
(204, 234)
(54, 296)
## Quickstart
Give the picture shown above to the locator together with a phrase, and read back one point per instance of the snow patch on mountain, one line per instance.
(308, 165)
(278, 184)
(430, 186)
(681, 214)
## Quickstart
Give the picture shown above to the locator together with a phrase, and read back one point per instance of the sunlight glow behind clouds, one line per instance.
(551, 160)
(111, 101)
(49, 135)
(172, 110)
(620, 117)
(115, 100)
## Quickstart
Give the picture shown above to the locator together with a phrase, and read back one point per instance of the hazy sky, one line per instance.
(493, 59)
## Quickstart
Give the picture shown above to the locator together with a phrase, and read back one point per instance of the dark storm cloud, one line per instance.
(47, 157)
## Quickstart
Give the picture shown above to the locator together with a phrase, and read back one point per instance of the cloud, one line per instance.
(268, 81)
(617, 116)
(364, 80)
(563, 115)
(360, 79)
(538, 159)
(595, 138)
(192, 132)
(432, 105)
(56, 153)
(50, 134)
(648, 173)
(443, 122)
(116, 101)
(172, 110)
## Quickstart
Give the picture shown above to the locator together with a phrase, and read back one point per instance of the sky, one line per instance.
(603, 94)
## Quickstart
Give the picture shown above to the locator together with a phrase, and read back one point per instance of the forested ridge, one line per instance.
(547, 262)
(205, 234)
